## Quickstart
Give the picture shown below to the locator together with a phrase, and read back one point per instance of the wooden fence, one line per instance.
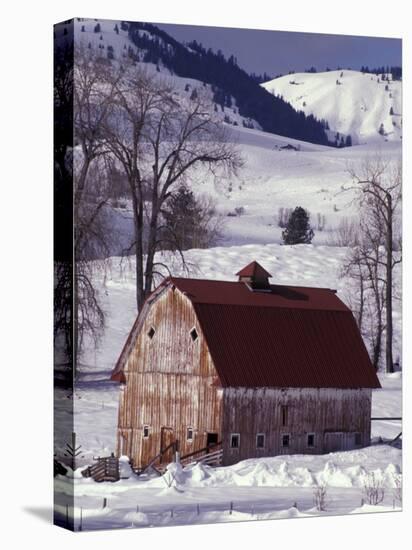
(105, 469)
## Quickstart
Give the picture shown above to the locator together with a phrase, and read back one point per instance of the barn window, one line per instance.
(285, 440)
(189, 434)
(234, 441)
(260, 441)
(194, 335)
(311, 440)
(151, 333)
(358, 439)
(145, 431)
(284, 415)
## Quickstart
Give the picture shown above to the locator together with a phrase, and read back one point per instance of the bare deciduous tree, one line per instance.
(378, 187)
(345, 234)
(158, 139)
(91, 195)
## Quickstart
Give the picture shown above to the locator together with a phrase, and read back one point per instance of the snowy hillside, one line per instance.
(278, 173)
(353, 103)
(110, 39)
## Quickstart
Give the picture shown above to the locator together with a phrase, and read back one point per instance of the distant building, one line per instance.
(257, 368)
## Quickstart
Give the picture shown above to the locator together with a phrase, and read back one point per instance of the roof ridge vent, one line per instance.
(255, 277)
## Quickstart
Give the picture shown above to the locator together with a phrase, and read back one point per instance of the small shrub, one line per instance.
(397, 491)
(373, 489)
(319, 497)
(321, 221)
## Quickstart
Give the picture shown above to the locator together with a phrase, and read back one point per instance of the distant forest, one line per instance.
(228, 81)
(395, 72)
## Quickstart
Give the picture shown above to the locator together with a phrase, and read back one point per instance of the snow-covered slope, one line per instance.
(109, 39)
(351, 102)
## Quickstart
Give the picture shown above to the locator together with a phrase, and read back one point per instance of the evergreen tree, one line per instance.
(97, 28)
(298, 230)
(189, 223)
(381, 129)
(348, 141)
(83, 29)
(391, 111)
(116, 29)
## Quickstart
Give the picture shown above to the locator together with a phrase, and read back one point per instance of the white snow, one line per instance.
(311, 176)
(265, 488)
(357, 106)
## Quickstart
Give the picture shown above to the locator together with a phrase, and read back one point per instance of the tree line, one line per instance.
(194, 61)
(394, 71)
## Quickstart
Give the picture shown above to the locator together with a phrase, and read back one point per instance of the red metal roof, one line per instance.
(254, 270)
(281, 347)
(204, 291)
(288, 337)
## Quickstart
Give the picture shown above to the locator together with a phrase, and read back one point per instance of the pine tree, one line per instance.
(116, 29)
(97, 28)
(348, 141)
(189, 222)
(298, 230)
(391, 111)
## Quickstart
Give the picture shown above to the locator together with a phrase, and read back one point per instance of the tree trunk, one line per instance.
(377, 343)
(151, 245)
(138, 236)
(361, 300)
(388, 297)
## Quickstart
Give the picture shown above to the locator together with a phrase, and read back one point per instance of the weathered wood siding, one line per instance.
(249, 411)
(170, 383)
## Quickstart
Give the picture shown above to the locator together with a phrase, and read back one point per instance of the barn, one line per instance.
(251, 368)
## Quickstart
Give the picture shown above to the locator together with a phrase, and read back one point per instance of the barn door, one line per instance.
(333, 442)
(167, 437)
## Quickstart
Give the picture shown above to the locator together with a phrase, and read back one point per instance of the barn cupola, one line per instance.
(255, 277)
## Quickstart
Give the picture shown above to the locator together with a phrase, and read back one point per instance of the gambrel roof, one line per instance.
(285, 336)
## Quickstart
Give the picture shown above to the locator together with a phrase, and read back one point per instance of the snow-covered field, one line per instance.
(267, 488)
(314, 177)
